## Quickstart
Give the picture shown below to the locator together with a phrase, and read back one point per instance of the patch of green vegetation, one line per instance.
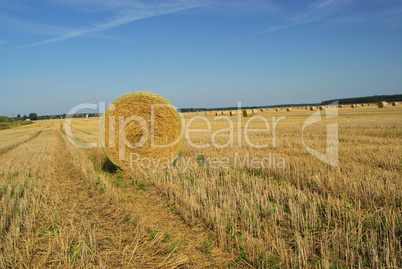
(166, 238)
(73, 251)
(141, 186)
(97, 183)
(170, 249)
(127, 219)
(206, 246)
(52, 230)
(152, 234)
(173, 207)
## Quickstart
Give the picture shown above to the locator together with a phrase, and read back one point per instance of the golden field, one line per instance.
(225, 203)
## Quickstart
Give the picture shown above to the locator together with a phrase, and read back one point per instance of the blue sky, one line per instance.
(55, 54)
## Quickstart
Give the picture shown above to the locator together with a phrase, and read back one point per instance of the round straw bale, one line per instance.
(288, 109)
(233, 113)
(144, 125)
(321, 108)
(248, 113)
(353, 106)
(312, 108)
(255, 111)
(395, 103)
(382, 104)
(261, 109)
(276, 109)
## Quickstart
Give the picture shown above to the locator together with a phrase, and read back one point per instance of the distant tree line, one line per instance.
(244, 107)
(34, 116)
(367, 99)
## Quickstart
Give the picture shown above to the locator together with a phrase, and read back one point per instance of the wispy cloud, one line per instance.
(307, 15)
(32, 27)
(342, 12)
(26, 82)
(238, 8)
(130, 12)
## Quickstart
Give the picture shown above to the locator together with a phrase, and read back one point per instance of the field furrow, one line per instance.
(13, 146)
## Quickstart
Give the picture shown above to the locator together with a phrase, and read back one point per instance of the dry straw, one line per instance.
(382, 104)
(144, 124)
(248, 113)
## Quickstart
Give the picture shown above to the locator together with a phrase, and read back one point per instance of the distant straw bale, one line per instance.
(248, 113)
(382, 104)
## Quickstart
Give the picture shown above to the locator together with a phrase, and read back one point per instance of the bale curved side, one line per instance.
(141, 124)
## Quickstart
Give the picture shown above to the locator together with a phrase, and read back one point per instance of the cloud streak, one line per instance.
(341, 12)
(128, 14)
(307, 15)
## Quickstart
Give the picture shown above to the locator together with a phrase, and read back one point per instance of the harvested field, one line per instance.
(65, 206)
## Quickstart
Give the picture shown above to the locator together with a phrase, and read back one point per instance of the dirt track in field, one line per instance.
(95, 230)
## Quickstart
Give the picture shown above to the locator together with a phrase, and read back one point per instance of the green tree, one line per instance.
(4, 119)
(33, 116)
(18, 117)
